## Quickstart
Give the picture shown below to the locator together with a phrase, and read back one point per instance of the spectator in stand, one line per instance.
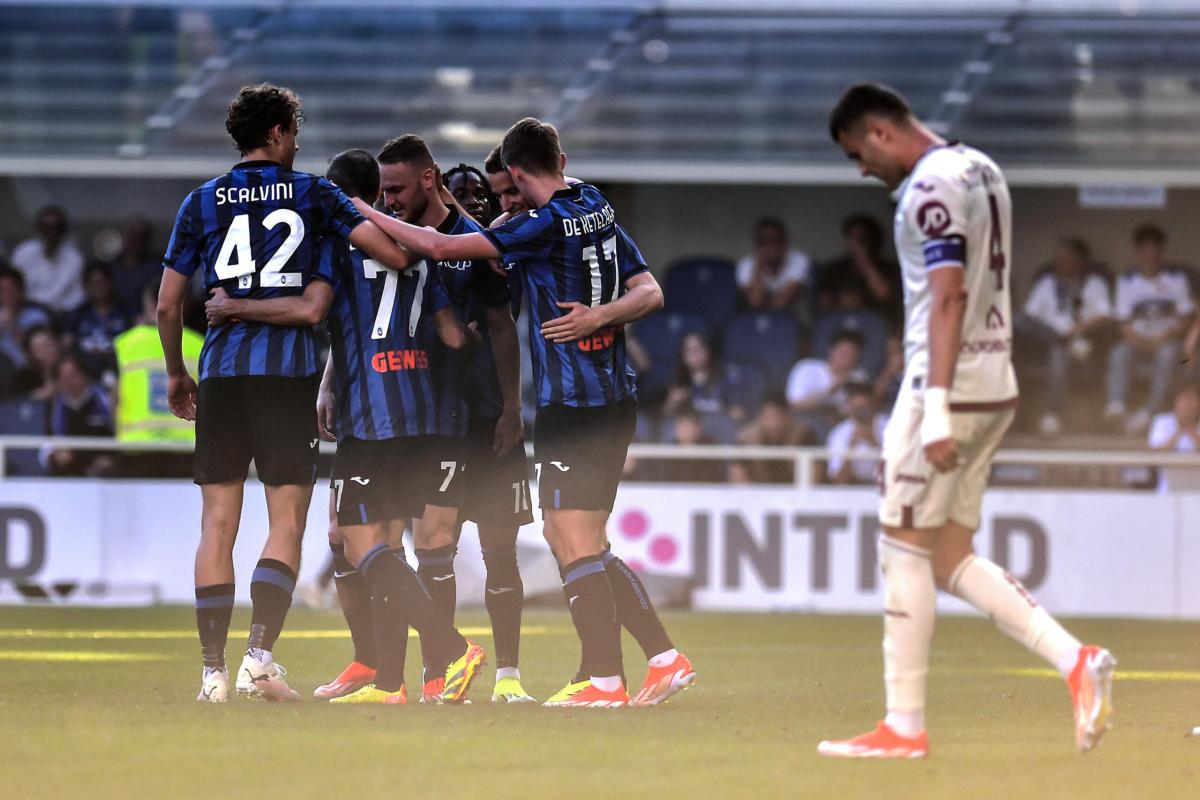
(42, 353)
(774, 427)
(136, 266)
(1154, 306)
(861, 431)
(1067, 309)
(815, 387)
(865, 269)
(1178, 430)
(773, 277)
(52, 265)
(92, 327)
(686, 430)
(16, 316)
(78, 407)
(700, 384)
(887, 385)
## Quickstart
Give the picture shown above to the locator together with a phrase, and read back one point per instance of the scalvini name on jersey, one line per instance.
(253, 194)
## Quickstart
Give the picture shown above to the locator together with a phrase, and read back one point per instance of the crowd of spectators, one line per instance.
(60, 313)
(798, 351)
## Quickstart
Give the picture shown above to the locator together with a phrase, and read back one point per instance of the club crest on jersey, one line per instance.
(933, 218)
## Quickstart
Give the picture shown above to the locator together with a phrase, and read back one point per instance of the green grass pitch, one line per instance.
(110, 714)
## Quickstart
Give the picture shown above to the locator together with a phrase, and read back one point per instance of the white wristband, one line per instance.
(935, 425)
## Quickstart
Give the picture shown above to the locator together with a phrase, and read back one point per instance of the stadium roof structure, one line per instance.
(642, 91)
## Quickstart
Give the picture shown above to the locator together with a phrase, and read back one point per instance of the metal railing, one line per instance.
(803, 459)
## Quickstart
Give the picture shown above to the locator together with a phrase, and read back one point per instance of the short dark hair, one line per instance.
(848, 335)
(1149, 233)
(532, 145)
(776, 397)
(33, 331)
(71, 357)
(95, 266)
(1077, 246)
(862, 99)
(865, 222)
(51, 210)
(406, 149)
(256, 110)
(14, 275)
(466, 169)
(769, 223)
(355, 172)
(494, 163)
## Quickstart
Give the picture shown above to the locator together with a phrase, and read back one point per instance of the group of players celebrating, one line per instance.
(421, 391)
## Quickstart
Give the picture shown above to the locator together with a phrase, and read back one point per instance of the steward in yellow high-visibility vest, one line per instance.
(142, 411)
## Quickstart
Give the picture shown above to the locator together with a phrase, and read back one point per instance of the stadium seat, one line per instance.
(660, 335)
(867, 324)
(767, 339)
(706, 286)
(23, 418)
(748, 384)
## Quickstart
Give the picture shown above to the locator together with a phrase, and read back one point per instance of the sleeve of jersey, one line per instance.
(183, 251)
(523, 236)
(629, 259)
(941, 217)
(341, 217)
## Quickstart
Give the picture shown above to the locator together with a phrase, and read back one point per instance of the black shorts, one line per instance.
(389, 479)
(497, 486)
(269, 419)
(581, 454)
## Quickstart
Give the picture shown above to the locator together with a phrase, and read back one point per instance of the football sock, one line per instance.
(906, 723)
(436, 568)
(395, 585)
(607, 684)
(355, 598)
(507, 672)
(504, 596)
(214, 607)
(665, 658)
(586, 586)
(634, 609)
(908, 617)
(983, 584)
(271, 590)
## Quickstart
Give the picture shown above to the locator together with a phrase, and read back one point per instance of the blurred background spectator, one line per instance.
(700, 383)
(42, 350)
(862, 276)
(815, 386)
(1154, 306)
(1178, 430)
(773, 276)
(773, 427)
(78, 407)
(887, 383)
(861, 430)
(52, 264)
(16, 317)
(91, 327)
(137, 265)
(1066, 314)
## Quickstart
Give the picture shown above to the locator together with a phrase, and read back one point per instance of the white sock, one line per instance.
(909, 724)
(507, 672)
(665, 658)
(607, 684)
(908, 617)
(983, 584)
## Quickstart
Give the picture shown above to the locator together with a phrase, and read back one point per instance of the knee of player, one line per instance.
(946, 561)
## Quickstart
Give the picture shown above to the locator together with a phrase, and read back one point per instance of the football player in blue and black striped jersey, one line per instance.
(584, 280)
(378, 395)
(255, 232)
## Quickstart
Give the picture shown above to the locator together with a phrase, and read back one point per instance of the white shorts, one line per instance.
(915, 495)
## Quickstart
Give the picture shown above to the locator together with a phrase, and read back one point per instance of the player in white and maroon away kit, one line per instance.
(953, 236)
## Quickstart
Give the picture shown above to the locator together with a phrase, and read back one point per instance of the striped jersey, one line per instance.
(473, 288)
(256, 232)
(382, 340)
(572, 250)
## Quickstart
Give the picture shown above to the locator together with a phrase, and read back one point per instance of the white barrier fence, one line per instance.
(808, 547)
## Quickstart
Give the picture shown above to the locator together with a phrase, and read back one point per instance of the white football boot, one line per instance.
(265, 680)
(214, 687)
